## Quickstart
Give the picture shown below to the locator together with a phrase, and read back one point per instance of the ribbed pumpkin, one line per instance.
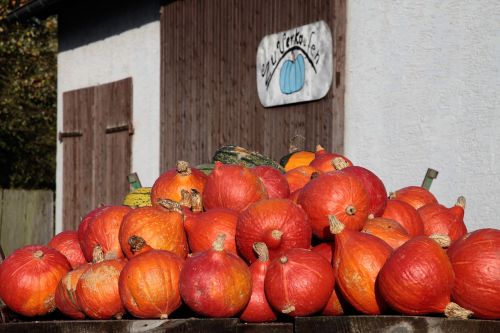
(279, 223)
(297, 178)
(162, 228)
(84, 223)
(97, 290)
(170, 184)
(358, 259)
(258, 309)
(418, 278)
(476, 262)
(388, 230)
(325, 161)
(232, 154)
(407, 216)
(216, 283)
(232, 186)
(29, 278)
(274, 181)
(149, 284)
(67, 243)
(439, 219)
(325, 250)
(66, 293)
(103, 230)
(333, 306)
(416, 196)
(202, 229)
(373, 185)
(335, 193)
(299, 283)
(139, 197)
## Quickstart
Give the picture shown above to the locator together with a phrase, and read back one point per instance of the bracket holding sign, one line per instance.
(295, 65)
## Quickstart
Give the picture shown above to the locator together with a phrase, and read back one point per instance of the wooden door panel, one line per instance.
(95, 164)
(77, 156)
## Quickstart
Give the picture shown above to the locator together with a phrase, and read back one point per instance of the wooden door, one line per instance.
(208, 79)
(97, 124)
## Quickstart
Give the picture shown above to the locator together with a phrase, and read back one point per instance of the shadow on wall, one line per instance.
(84, 22)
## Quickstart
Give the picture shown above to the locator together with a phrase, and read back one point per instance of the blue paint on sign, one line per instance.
(292, 75)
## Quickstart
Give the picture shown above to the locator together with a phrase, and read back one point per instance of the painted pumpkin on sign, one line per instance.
(292, 75)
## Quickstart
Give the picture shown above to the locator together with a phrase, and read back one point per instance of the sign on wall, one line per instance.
(295, 65)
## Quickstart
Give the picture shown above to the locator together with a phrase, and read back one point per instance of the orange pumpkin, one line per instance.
(160, 227)
(296, 159)
(388, 230)
(171, 183)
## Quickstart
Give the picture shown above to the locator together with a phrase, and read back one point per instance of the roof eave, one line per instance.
(35, 8)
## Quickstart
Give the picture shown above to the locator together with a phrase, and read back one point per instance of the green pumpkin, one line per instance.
(238, 155)
(206, 168)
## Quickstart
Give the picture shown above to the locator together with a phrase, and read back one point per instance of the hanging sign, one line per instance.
(295, 65)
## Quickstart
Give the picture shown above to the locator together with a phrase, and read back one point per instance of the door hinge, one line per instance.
(73, 134)
(120, 128)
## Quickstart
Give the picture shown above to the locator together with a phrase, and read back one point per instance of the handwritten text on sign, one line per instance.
(295, 65)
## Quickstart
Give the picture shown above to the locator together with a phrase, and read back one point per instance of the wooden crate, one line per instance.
(191, 325)
(394, 324)
(351, 324)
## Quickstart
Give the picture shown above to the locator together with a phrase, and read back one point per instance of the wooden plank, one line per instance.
(224, 325)
(208, 89)
(339, 42)
(27, 218)
(265, 328)
(113, 105)
(78, 164)
(386, 324)
(39, 216)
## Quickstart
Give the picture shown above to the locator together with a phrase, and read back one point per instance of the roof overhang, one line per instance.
(35, 8)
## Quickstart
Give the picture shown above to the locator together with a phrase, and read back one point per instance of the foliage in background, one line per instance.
(28, 113)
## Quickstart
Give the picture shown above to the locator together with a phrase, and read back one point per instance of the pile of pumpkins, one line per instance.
(250, 238)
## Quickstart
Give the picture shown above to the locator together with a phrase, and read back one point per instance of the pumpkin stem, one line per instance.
(262, 252)
(441, 239)
(218, 245)
(453, 310)
(461, 202)
(288, 309)
(350, 210)
(294, 143)
(315, 174)
(339, 163)
(276, 234)
(171, 205)
(185, 198)
(136, 243)
(284, 259)
(97, 254)
(371, 217)
(183, 168)
(392, 195)
(336, 226)
(38, 254)
(319, 148)
(196, 201)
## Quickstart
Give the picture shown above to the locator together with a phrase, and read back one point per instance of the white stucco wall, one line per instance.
(423, 90)
(134, 53)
